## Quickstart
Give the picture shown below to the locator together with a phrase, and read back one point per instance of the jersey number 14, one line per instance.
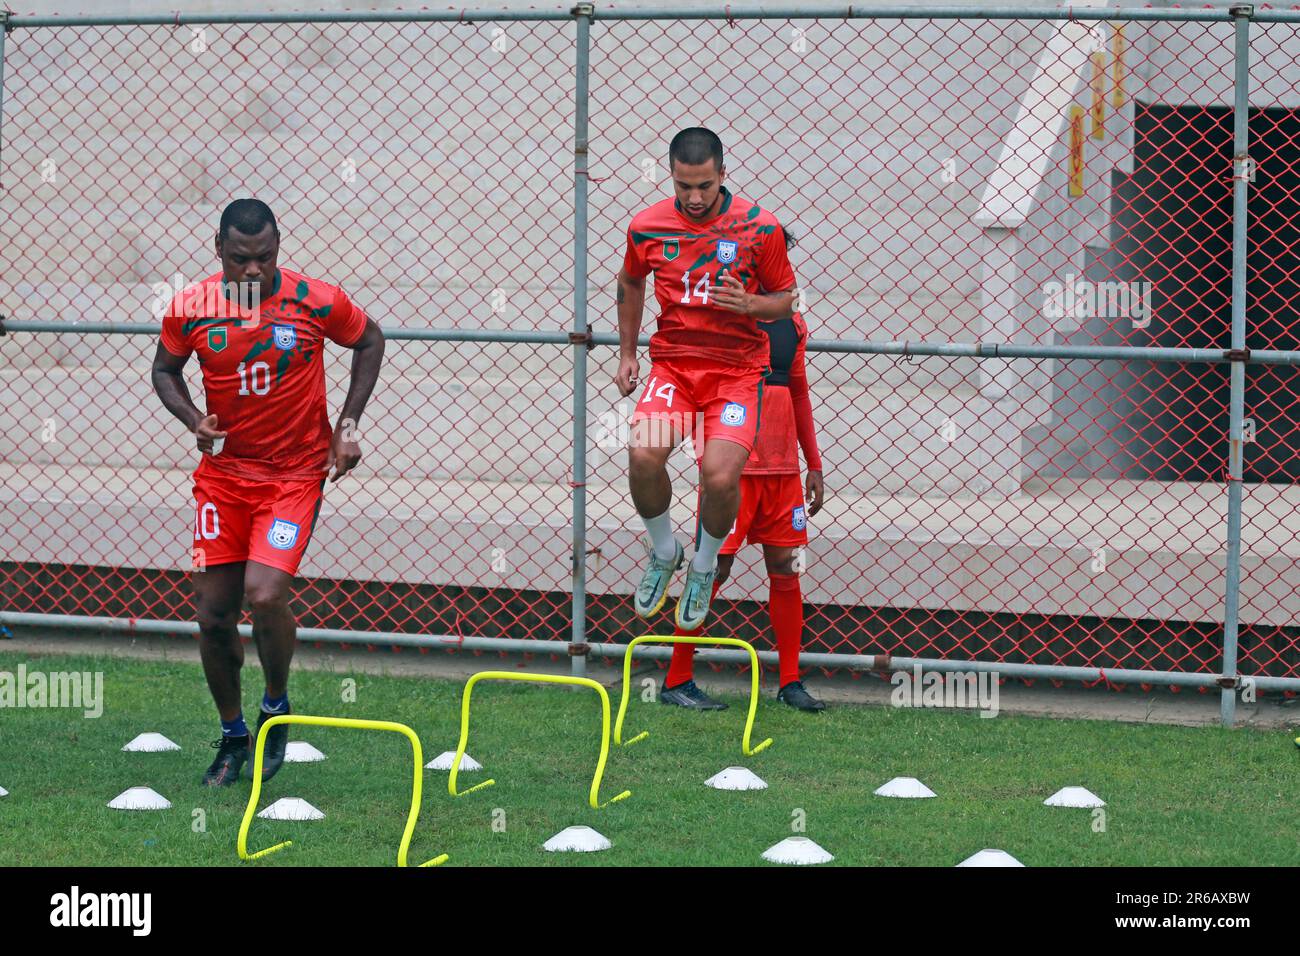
(701, 288)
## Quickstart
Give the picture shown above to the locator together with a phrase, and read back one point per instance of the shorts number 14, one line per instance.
(665, 392)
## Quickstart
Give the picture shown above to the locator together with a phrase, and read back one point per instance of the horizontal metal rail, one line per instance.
(981, 350)
(882, 663)
(728, 12)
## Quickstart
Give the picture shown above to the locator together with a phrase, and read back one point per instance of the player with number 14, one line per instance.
(711, 253)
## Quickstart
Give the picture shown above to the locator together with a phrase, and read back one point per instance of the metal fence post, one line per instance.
(1236, 369)
(4, 32)
(581, 338)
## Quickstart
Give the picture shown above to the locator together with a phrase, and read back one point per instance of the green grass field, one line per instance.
(1175, 795)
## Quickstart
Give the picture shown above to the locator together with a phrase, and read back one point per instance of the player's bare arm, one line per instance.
(730, 294)
(367, 356)
(631, 305)
(814, 492)
(169, 384)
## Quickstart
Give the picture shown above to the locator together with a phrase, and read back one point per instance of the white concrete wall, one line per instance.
(845, 140)
(463, 187)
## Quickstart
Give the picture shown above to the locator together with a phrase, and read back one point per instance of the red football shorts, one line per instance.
(771, 512)
(269, 522)
(693, 396)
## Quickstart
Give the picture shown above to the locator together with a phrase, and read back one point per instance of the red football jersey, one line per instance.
(785, 424)
(686, 258)
(265, 382)
(776, 450)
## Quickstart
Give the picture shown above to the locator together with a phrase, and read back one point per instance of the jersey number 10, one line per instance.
(207, 525)
(259, 375)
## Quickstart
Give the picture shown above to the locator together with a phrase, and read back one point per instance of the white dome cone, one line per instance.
(443, 762)
(150, 743)
(991, 858)
(1074, 797)
(908, 787)
(736, 778)
(139, 798)
(299, 751)
(576, 840)
(798, 850)
(3, 792)
(291, 808)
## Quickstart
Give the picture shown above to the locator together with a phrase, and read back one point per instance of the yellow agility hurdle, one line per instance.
(687, 639)
(416, 788)
(593, 797)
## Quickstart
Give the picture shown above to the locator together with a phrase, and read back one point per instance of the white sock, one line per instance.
(661, 536)
(706, 553)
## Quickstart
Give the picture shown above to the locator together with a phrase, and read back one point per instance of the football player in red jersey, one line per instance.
(266, 448)
(774, 512)
(711, 252)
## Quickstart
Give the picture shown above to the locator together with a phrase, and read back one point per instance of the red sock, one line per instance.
(682, 667)
(785, 608)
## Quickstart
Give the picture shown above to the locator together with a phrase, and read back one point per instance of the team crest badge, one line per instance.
(286, 337)
(799, 520)
(671, 249)
(733, 414)
(727, 249)
(217, 339)
(283, 534)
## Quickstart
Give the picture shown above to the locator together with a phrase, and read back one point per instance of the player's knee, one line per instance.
(783, 565)
(720, 483)
(217, 623)
(263, 599)
(643, 461)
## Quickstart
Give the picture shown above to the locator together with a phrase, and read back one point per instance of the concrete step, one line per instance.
(524, 308)
(455, 417)
(1161, 544)
(406, 221)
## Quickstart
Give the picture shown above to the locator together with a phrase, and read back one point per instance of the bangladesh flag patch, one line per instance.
(671, 249)
(217, 339)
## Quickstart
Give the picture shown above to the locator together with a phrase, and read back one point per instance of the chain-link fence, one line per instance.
(1034, 255)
